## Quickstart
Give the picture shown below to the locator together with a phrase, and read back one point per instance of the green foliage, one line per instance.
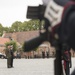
(1, 29)
(11, 43)
(23, 47)
(6, 29)
(19, 26)
(35, 49)
(16, 26)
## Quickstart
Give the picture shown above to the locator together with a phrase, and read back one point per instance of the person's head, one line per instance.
(8, 46)
(11, 46)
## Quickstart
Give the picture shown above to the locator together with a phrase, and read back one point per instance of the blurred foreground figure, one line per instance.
(59, 17)
(73, 73)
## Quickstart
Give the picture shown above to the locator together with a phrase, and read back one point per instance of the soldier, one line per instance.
(47, 53)
(8, 55)
(43, 54)
(12, 55)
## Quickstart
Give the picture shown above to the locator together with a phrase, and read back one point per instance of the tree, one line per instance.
(19, 26)
(6, 29)
(16, 26)
(30, 25)
(1, 29)
(12, 43)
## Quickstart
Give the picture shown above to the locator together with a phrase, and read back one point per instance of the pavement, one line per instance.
(30, 67)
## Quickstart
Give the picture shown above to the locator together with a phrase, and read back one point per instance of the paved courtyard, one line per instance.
(29, 67)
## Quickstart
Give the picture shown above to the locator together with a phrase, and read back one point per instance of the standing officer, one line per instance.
(43, 54)
(12, 55)
(8, 55)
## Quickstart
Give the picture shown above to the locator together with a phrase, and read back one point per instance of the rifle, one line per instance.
(38, 13)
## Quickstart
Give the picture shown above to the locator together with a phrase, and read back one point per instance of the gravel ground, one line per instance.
(30, 67)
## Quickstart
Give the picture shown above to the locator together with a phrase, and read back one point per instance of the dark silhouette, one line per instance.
(43, 54)
(10, 56)
(47, 53)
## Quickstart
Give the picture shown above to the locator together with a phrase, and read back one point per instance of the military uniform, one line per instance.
(9, 55)
(12, 56)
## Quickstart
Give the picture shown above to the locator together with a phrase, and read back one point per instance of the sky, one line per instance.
(15, 10)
